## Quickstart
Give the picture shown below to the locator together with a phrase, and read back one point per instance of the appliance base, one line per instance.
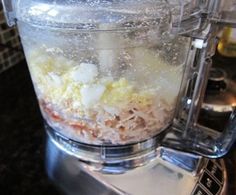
(160, 176)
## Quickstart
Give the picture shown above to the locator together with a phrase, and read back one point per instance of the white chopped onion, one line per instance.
(55, 79)
(111, 110)
(91, 94)
(84, 73)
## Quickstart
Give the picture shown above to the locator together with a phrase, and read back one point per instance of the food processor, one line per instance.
(120, 85)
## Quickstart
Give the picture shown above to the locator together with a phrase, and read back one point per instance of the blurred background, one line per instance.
(10, 47)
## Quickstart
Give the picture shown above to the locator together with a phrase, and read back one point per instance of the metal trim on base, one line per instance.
(75, 176)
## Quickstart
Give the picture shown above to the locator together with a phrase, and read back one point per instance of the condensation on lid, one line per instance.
(109, 14)
(93, 14)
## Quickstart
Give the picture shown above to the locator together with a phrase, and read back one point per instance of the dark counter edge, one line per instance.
(22, 137)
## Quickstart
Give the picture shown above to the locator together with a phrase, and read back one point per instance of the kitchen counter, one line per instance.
(22, 138)
(22, 169)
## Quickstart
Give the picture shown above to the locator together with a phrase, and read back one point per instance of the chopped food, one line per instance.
(91, 94)
(81, 102)
(84, 73)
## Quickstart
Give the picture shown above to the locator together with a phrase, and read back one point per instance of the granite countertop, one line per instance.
(22, 169)
(22, 138)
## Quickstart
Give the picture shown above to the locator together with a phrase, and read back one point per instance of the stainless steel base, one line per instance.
(169, 173)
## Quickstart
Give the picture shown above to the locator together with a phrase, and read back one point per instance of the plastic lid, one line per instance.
(183, 15)
(93, 14)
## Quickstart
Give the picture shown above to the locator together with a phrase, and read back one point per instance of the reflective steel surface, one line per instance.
(169, 172)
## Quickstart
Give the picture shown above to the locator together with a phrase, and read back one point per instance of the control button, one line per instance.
(210, 184)
(215, 171)
(199, 191)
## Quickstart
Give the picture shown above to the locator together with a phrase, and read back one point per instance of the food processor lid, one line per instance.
(93, 14)
(182, 15)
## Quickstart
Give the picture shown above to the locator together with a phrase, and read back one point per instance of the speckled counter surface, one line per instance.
(22, 139)
(22, 169)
